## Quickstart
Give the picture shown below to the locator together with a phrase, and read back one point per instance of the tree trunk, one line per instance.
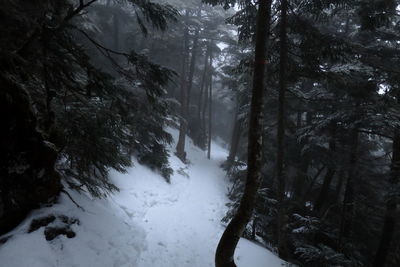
(348, 201)
(301, 177)
(234, 140)
(391, 207)
(304, 160)
(203, 83)
(282, 246)
(205, 106)
(203, 113)
(339, 186)
(323, 194)
(192, 65)
(234, 230)
(311, 184)
(210, 111)
(200, 138)
(180, 147)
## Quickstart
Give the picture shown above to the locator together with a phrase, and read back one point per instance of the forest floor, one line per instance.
(149, 223)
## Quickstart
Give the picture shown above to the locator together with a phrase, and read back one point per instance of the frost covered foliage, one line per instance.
(150, 138)
(321, 255)
(341, 134)
(97, 103)
(314, 243)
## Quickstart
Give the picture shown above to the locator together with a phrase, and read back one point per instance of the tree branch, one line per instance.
(39, 31)
(70, 197)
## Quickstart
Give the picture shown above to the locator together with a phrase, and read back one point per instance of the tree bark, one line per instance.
(210, 110)
(200, 136)
(204, 111)
(180, 147)
(234, 140)
(339, 185)
(301, 177)
(234, 230)
(282, 246)
(391, 207)
(203, 83)
(304, 160)
(323, 194)
(189, 84)
(348, 201)
(192, 65)
(311, 184)
(205, 106)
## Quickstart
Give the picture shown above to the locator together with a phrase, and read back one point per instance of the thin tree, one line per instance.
(200, 140)
(282, 248)
(210, 109)
(391, 207)
(193, 58)
(323, 194)
(348, 201)
(234, 230)
(180, 147)
(186, 88)
(234, 139)
(206, 99)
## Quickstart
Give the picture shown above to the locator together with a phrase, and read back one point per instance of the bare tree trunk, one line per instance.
(311, 184)
(206, 102)
(348, 201)
(210, 110)
(323, 194)
(391, 207)
(180, 147)
(200, 138)
(203, 113)
(339, 186)
(203, 83)
(234, 230)
(282, 246)
(192, 65)
(234, 140)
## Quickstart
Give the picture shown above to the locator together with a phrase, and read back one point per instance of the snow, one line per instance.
(149, 223)
(103, 238)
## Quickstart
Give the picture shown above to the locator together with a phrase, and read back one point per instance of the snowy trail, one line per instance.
(149, 223)
(182, 220)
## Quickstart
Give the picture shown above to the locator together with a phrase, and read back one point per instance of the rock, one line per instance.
(41, 222)
(52, 232)
(55, 225)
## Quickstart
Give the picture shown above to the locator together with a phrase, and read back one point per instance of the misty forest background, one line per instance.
(86, 85)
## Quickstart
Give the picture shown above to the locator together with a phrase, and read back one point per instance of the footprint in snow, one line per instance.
(127, 212)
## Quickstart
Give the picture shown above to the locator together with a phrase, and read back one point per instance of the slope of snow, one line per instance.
(104, 237)
(149, 223)
(182, 220)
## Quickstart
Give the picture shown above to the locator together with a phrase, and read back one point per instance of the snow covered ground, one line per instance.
(149, 223)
